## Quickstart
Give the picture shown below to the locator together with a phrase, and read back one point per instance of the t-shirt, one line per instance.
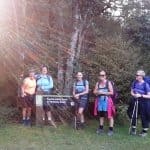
(29, 85)
(80, 86)
(140, 88)
(44, 83)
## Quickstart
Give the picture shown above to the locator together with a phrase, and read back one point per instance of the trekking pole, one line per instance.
(134, 109)
(136, 113)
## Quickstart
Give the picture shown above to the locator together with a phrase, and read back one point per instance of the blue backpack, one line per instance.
(147, 79)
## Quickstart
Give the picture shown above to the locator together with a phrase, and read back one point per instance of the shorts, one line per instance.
(27, 101)
(81, 103)
(102, 113)
(46, 107)
(102, 105)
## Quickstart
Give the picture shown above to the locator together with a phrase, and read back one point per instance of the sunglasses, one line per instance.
(101, 75)
(137, 75)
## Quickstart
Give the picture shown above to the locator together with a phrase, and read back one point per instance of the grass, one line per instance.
(17, 137)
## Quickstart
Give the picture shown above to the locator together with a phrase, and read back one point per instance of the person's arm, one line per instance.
(147, 96)
(110, 90)
(96, 92)
(132, 93)
(23, 87)
(74, 91)
(51, 82)
(86, 89)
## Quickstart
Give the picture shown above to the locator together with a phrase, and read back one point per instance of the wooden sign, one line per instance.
(52, 101)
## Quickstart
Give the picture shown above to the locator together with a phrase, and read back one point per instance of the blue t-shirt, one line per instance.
(44, 83)
(80, 86)
(140, 88)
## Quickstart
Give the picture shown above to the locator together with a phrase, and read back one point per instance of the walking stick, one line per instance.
(135, 110)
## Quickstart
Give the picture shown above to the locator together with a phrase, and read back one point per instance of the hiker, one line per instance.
(140, 91)
(80, 94)
(28, 95)
(44, 87)
(104, 106)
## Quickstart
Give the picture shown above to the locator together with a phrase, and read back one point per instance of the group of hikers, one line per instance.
(104, 104)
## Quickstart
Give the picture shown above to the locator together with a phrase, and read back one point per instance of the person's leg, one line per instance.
(111, 125)
(144, 118)
(81, 114)
(24, 110)
(82, 118)
(101, 122)
(49, 117)
(28, 119)
(29, 109)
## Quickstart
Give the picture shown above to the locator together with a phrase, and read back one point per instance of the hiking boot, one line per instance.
(143, 134)
(132, 131)
(99, 131)
(110, 133)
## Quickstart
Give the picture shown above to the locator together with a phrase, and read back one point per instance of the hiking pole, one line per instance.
(135, 109)
(136, 113)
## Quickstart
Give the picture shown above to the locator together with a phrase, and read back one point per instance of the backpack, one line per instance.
(147, 80)
(39, 77)
(84, 83)
(115, 91)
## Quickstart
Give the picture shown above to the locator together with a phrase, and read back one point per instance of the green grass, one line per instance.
(17, 137)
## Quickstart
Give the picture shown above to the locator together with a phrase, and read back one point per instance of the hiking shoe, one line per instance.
(99, 131)
(110, 133)
(143, 134)
(132, 132)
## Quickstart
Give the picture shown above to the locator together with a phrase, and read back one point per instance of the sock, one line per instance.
(101, 127)
(24, 118)
(111, 128)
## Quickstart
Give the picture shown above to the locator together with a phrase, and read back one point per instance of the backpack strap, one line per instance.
(84, 83)
(107, 84)
(145, 89)
(48, 77)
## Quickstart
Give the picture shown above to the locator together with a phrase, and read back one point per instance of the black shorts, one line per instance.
(28, 101)
(102, 113)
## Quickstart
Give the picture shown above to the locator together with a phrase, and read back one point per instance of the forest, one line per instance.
(70, 36)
